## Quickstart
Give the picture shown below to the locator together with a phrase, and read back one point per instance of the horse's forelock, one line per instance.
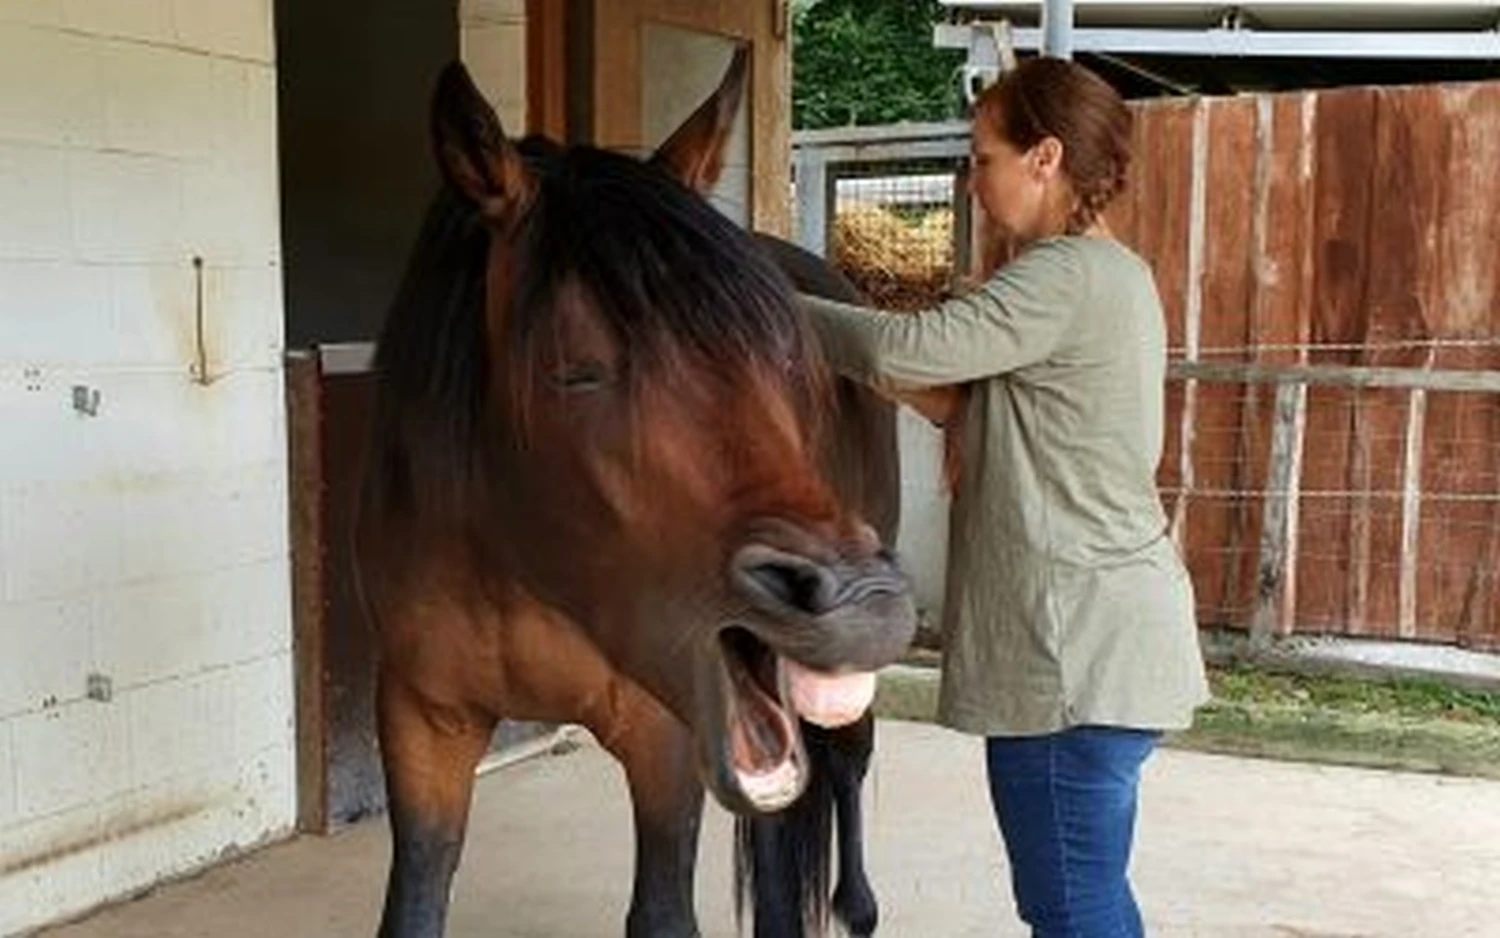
(685, 293)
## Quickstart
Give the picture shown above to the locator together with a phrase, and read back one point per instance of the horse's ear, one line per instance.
(472, 149)
(695, 151)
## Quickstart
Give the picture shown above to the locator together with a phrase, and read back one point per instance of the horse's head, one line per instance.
(650, 417)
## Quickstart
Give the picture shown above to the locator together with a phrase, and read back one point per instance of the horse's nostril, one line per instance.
(797, 583)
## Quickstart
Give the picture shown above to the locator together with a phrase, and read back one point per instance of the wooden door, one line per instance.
(637, 68)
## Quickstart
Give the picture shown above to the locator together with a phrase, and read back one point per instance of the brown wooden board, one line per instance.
(1459, 544)
(1222, 529)
(1159, 188)
(1343, 136)
(1405, 212)
(1342, 227)
(305, 447)
(1283, 303)
(1162, 183)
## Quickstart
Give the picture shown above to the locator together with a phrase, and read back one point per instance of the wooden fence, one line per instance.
(1330, 266)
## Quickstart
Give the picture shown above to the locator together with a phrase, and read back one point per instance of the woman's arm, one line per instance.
(1014, 320)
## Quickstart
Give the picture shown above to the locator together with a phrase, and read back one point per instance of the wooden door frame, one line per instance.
(579, 49)
(547, 85)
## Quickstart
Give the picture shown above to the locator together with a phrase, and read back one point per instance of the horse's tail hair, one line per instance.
(796, 845)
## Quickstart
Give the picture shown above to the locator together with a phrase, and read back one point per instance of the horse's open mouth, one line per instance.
(769, 693)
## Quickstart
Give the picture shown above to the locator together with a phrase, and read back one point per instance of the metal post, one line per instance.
(1057, 29)
(814, 200)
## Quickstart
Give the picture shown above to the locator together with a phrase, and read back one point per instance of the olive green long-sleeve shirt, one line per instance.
(1067, 603)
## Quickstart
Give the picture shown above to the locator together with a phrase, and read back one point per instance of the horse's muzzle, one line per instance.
(832, 606)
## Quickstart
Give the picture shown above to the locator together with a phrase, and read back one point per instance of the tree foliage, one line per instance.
(871, 62)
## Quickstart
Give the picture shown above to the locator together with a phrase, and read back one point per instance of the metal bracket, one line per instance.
(101, 688)
(992, 53)
(86, 400)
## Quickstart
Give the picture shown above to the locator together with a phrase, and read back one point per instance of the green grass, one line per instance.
(1402, 699)
(1414, 725)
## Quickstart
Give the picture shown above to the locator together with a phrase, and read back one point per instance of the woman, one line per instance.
(1070, 640)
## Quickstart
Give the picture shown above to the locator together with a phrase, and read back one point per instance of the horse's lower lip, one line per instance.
(828, 700)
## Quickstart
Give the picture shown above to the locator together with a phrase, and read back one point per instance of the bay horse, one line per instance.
(607, 485)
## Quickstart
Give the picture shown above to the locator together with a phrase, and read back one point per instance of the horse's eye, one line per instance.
(583, 376)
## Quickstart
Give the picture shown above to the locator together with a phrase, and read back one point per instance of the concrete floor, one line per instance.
(1228, 848)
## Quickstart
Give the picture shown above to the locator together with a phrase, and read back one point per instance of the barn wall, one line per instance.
(143, 532)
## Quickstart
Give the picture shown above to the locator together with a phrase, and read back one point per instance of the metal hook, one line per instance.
(200, 367)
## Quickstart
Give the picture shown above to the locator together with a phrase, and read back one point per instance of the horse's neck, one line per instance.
(862, 457)
(808, 272)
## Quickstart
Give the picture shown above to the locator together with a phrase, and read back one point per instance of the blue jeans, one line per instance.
(1066, 804)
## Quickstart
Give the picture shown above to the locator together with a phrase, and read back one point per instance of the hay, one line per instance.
(898, 264)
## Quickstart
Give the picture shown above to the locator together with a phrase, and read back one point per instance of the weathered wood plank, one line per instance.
(1331, 577)
(1160, 181)
(1459, 542)
(304, 402)
(1277, 559)
(1338, 376)
(1222, 533)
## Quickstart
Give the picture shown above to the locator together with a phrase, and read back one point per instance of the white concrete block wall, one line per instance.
(146, 543)
(492, 42)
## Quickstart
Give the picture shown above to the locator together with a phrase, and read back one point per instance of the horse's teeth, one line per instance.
(773, 789)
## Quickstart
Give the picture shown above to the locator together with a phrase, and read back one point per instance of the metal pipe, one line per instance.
(1057, 29)
(1254, 43)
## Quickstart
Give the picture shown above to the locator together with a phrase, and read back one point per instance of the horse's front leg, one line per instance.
(667, 801)
(850, 748)
(429, 751)
(790, 850)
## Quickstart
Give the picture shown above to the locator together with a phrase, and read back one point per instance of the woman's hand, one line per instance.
(939, 405)
(943, 407)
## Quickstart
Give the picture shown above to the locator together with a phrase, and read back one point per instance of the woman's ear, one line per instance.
(1045, 159)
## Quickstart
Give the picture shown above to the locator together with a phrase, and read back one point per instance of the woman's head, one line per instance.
(1051, 148)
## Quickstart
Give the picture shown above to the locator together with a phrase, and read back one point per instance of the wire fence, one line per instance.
(889, 206)
(1339, 500)
(894, 233)
(1322, 498)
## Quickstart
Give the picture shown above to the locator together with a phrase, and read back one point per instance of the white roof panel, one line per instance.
(1260, 14)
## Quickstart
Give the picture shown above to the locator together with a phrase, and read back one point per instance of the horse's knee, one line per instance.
(429, 752)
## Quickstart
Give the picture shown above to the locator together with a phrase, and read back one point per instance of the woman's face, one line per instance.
(1020, 191)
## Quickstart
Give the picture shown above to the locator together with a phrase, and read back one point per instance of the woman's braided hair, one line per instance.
(1047, 97)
